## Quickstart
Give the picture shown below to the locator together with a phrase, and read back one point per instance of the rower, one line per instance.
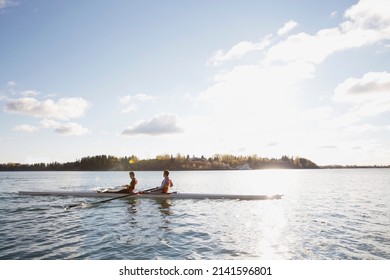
(133, 183)
(166, 184)
(128, 188)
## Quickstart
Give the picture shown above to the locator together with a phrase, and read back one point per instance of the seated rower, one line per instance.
(129, 188)
(133, 183)
(166, 184)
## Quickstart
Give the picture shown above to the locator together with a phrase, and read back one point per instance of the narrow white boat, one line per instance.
(151, 195)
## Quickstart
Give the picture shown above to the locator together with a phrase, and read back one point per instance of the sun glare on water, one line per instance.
(270, 216)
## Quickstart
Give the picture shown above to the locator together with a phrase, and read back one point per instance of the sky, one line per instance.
(271, 78)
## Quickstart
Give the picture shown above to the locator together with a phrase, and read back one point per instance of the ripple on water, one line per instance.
(323, 215)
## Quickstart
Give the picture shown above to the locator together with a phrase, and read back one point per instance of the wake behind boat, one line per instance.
(151, 195)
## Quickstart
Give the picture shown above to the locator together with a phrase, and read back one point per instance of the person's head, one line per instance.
(166, 173)
(131, 173)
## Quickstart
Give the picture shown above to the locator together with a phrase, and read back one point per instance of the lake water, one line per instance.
(324, 214)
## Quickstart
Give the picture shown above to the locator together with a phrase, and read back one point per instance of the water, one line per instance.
(324, 214)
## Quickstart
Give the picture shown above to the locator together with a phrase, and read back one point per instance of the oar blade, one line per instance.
(68, 207)
(80, 205)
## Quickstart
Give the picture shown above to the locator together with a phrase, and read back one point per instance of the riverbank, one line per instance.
(178, 162)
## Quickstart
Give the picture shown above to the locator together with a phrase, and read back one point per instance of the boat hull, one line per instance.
(150, 195)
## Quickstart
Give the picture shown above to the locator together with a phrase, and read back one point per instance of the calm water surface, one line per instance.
(324, 214)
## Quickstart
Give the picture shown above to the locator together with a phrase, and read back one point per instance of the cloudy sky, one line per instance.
(272, 78)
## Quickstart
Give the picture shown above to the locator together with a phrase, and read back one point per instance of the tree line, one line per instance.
(161, 162)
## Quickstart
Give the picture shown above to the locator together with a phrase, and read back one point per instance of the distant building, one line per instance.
(244, 167)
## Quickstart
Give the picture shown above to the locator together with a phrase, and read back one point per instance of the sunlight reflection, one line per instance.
(271, 216)
(275, 242)
(270, 245)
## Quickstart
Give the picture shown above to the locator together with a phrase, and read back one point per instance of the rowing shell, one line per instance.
(151, 195)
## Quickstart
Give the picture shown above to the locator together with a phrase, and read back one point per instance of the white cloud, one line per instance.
(71, 128)
(293, 60)
(64, 108)
(265, 90)
(262, 103)
(272, 144)
(369, 15)
(366, 23)
(252, 89)
(287, 27)
(370, 94)
(131, 101)
(25, 128)
(348, 123)
(159, 125)
(47, 123)
(239, 50)
(140, 97)
(11, 83)
(129, 108)
(7, 3)
(372, 86)
(29, 93)
(303, 47)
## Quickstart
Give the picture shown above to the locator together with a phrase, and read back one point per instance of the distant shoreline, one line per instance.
(138, 170)
(179, 163)
(353, 166)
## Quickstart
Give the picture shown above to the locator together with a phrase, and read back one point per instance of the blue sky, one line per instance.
(272, 78)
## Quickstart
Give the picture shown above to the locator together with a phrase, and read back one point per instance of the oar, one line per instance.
(122, 196)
